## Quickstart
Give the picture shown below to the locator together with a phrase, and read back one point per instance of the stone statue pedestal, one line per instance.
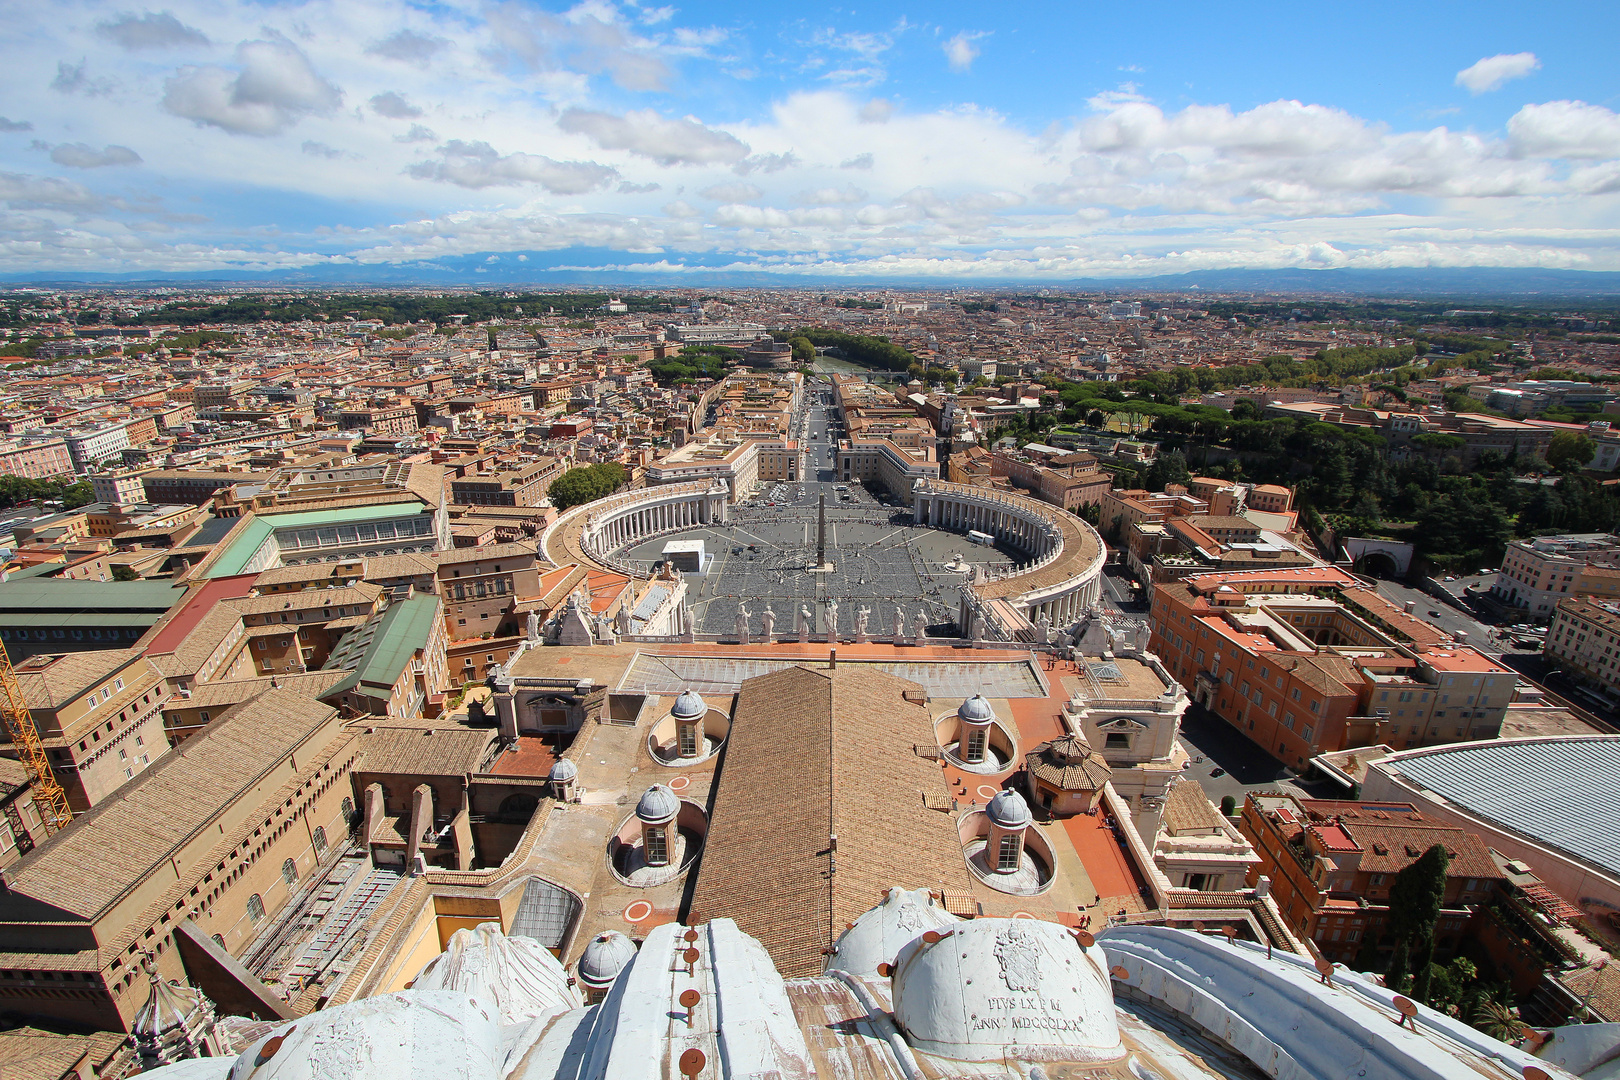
(804, 635)
(821, 568)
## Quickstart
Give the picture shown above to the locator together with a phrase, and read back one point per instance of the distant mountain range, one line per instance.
(507, 270)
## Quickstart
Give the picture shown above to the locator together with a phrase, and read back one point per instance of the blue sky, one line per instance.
(958, 141)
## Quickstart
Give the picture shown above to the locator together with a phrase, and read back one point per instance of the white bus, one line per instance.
(977, 537)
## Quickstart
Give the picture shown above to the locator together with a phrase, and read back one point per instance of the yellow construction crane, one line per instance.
(48, 794)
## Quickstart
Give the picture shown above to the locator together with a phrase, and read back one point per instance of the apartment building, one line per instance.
(1056, 476)
(99, 716)
(1332, 864)
(880, 461)
(118, 487)
(397, 660)
(211, 842)
(90, 446)
(35, 459)
(1584, 641)
(525, 485)
(1308, 660)
(1536, 574)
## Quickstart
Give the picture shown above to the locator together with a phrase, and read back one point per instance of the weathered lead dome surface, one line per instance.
(564, 770)
(607, 954)
(878, 936)
(658, 805)
(517, 973)
(976, 709)
(1019, 989)
(1008, 809)
(689, 706)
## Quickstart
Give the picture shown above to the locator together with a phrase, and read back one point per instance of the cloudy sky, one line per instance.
(1030, 141)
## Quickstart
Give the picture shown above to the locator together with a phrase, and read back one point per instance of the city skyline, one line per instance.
(867, 145)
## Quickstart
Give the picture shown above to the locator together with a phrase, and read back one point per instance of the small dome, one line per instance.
(689, 706)
(1047, 999)
(563, 771)
(658, 805)
(878, 936)
(1008, 809)
(169, 1006)
(607, 954)
(976, 710)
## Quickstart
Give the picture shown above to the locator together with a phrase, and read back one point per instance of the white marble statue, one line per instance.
(1043, 629)
(899, 624)
(768, 620)
(806, 620)
(862, 614)
(622, 620)
(832, 620)
(742, 622)
(919, 628)
(533, 626)
(688, 623)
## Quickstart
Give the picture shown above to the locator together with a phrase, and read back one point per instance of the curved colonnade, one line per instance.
(589, 534)
(1060, 582)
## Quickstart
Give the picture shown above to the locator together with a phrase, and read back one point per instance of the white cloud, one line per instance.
(627, 188)
(14, 125)
(75, 79)
(645, 133)
(734, 192)
(273, 88)
(394, 106)
(590, 38)
(766, 163)
(1569, 129)
(1493, 71)
(479, 165)
(408, 47)
(830, 196)
(859, 161)
(321, 150)
(81, 156)
(682, 209)
(877, 111)
(23, 191)
(960, 51)
(418, 133)
(153, 30)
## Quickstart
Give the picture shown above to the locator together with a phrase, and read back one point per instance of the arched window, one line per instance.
(975, 745)
(519, 804)
(1007, 854)
(218, 940)
(289, 871)
(319, 840)
(348, 810)
(657, 851)
(255, 906)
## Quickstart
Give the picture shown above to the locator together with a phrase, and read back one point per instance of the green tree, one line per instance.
(1414, 908)
(1499, 1021)
(1570, 449)
(124, 573)
(1169, 467)
(585, 484)
(803, 349)
(77, 495)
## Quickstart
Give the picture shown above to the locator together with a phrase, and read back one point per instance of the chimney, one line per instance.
(832, 659)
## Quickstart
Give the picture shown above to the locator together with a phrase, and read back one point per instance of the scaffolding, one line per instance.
(49, 796)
